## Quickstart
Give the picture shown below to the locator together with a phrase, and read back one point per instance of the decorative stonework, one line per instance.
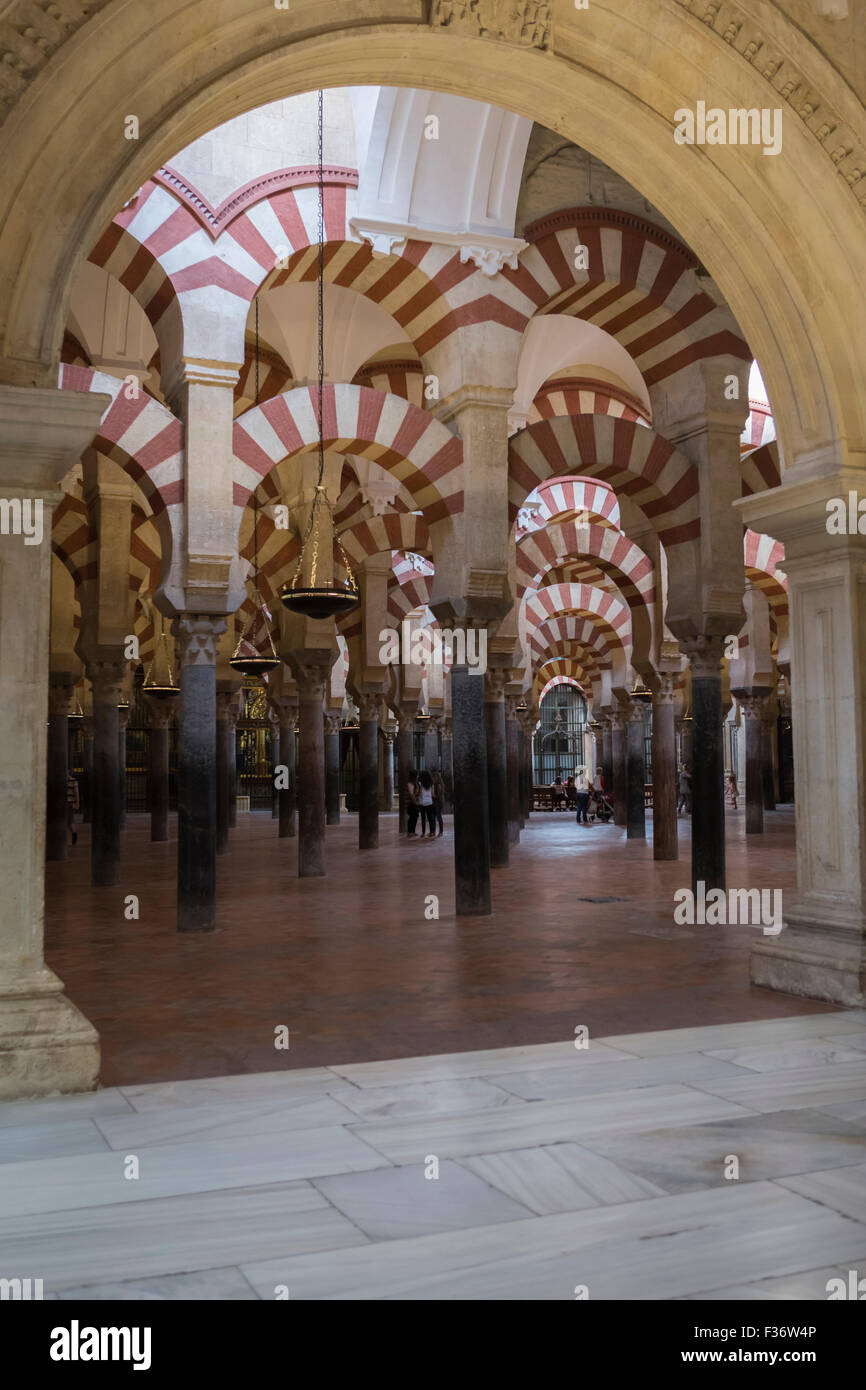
(790, 83)
(528, 22)
(29, 34)
(196, 639)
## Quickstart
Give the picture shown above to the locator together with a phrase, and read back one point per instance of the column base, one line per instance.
(813, 964)
(46, 1045)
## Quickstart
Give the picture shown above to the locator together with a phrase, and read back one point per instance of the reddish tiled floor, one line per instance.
(352, 968)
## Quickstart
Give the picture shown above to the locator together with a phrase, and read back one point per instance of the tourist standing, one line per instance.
(438, 801)
(413, 796)
(582, 790)
(425, 784)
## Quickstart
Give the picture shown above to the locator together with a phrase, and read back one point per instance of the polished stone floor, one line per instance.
(582, 934)
(717, 1162)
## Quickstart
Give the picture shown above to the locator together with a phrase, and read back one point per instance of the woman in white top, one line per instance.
(425, 782)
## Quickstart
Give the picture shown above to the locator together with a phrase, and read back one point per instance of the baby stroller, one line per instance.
(599, 807)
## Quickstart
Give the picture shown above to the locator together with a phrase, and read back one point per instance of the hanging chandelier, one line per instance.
(248, 656)
(159, 681)
(640, 692)
(328, 599)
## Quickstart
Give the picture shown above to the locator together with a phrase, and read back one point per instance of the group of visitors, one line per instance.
(586, 794)
(426, 795)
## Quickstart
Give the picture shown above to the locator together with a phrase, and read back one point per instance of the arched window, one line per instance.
(559, 744)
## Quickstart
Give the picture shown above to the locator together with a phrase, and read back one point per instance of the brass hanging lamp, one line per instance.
(159, 681)
(248, 657)
(640, 692)
(329, 599)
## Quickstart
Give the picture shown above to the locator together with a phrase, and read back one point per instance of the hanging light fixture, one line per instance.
(315, 600)
(248, 657)
(159, 682)
(640, 692)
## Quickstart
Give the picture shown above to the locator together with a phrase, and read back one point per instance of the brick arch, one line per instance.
(762, 556)
(641, 287)
(584, 396)
(558, 635)
(606, 610)
(419, 451)
(562, 497)
(559, 680)
(632, 459)
(73, 538)
(392, 531)
(145, 440)
(759, 469)
(561, 671)
(615, 556)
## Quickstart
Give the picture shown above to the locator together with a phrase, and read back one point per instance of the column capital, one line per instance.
(196, 637)
(159, 713)
(58, 698)
(333, 723)
(752, 700)
(107, 676)
(637, 712)
(618, 718)
(122, 717)
(704, 654)
(368, 708)
(666, 691)
(495, 680)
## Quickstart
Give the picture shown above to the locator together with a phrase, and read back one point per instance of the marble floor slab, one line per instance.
(765, 1146)
(168, 1170)
(560, 1177)
(389, 1203)
(173, 1235)
(669, 1247)
(577, 1080)
(557, 1168)
(764, 1031)
(543, 1122)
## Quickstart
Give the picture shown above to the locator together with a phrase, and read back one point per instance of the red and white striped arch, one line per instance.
(558, 636)
(760, 469)
(641, 287)
(760, 427)
(580, 396)
(413, 446)
(73, 540)
(763, 557)
(633, 460)
(559, 680)
(566, 497)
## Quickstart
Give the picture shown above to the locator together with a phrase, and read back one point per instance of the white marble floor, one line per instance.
(520, 1173)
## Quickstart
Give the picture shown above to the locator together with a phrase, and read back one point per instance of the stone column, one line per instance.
(708, 763)
(46, 1045)
(527, 723)
(232, 752)
(122, 725)
(106, 676)
(160, 714)
(665, 836)
(431, 746)
(56, 830)
(686, 726)
(512, 755)
(497, 765)
(331, 736)
(288, 794)
(636, 771)
(471, 825)
(368, 772)
(620, 775)
(607, 756)
(521, 773)
(386, 759)
(225, 733)
(751, 703)
(769, 727)
(312, 681)
(276, 759)
(87, 767)
(404, 760)
(447, 769)
(196, 637)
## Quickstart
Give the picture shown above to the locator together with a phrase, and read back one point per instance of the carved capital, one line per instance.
(495, 681)
(196, 637)
(667, 690)
(107, 676)
(332, 723)
(705, 655)
(58, 700)
(159, 713)
(368, 708)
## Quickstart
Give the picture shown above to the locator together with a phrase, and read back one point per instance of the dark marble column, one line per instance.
(708, 764)
(447, 764)
(620, 776)
(276, 760)
(56, 815)
(512, 757)
(122, 723)
(86, 789)
(607, 757)
(312, 681)
(288, 794)
(471, 825)
(431, 746)
(636, 772)
(521, 774)
(404, 760)
(196, 638)
(233, 772)
(331, 734)
(368, 772)
(751, 703)
(497, 765)
(225, 733)
(665, 835)
(597, 731)
(528, 722)
(769, 726)
(160, 713)
(386, 755)
(106, 678)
